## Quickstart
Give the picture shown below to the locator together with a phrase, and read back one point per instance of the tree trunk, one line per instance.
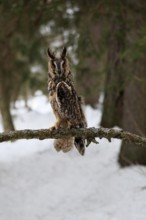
(89, 77)
(134, 119)
(114, 83)
(5, 106)
(134, 114)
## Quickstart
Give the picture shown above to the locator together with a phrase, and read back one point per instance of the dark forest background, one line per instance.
(106, 43)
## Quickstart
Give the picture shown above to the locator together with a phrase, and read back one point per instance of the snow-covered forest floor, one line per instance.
(37, 183)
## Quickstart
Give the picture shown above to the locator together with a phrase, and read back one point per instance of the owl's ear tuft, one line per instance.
(63, 54)
(51, 54)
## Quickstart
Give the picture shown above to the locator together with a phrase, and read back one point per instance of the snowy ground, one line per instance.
(37, 183)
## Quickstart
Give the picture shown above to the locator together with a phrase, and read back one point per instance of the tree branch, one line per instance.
(88, 133)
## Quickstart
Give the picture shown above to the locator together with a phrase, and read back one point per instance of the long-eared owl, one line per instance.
(65, 102)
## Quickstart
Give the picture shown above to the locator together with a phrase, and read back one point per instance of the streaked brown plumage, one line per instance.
(66, 104)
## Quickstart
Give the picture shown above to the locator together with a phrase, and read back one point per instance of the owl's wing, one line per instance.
(67, 101)
(70, 108)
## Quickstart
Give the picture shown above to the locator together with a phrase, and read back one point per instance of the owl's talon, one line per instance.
(52, 128)
(56, 126)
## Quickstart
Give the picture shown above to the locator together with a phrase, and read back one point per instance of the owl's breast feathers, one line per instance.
(68, 102)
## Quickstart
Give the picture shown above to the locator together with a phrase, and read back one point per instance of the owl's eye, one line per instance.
(62, 63)
(54, 65)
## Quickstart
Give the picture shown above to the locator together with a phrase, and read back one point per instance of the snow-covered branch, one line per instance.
(88, 133)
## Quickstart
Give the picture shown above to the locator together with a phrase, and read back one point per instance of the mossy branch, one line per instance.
(88, 133)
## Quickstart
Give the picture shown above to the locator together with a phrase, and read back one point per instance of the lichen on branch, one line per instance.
(88, 133)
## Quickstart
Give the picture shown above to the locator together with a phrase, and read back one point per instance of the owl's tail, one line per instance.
(80, 145)
(64, 144)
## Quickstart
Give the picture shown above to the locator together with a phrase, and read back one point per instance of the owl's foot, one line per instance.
(52, 128)
(57, 125)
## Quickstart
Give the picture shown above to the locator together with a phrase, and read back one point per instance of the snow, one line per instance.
(37, 183)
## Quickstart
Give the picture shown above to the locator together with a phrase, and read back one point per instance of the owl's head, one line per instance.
(58, 66)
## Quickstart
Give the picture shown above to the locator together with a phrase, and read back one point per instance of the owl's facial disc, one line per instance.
(58, 66)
